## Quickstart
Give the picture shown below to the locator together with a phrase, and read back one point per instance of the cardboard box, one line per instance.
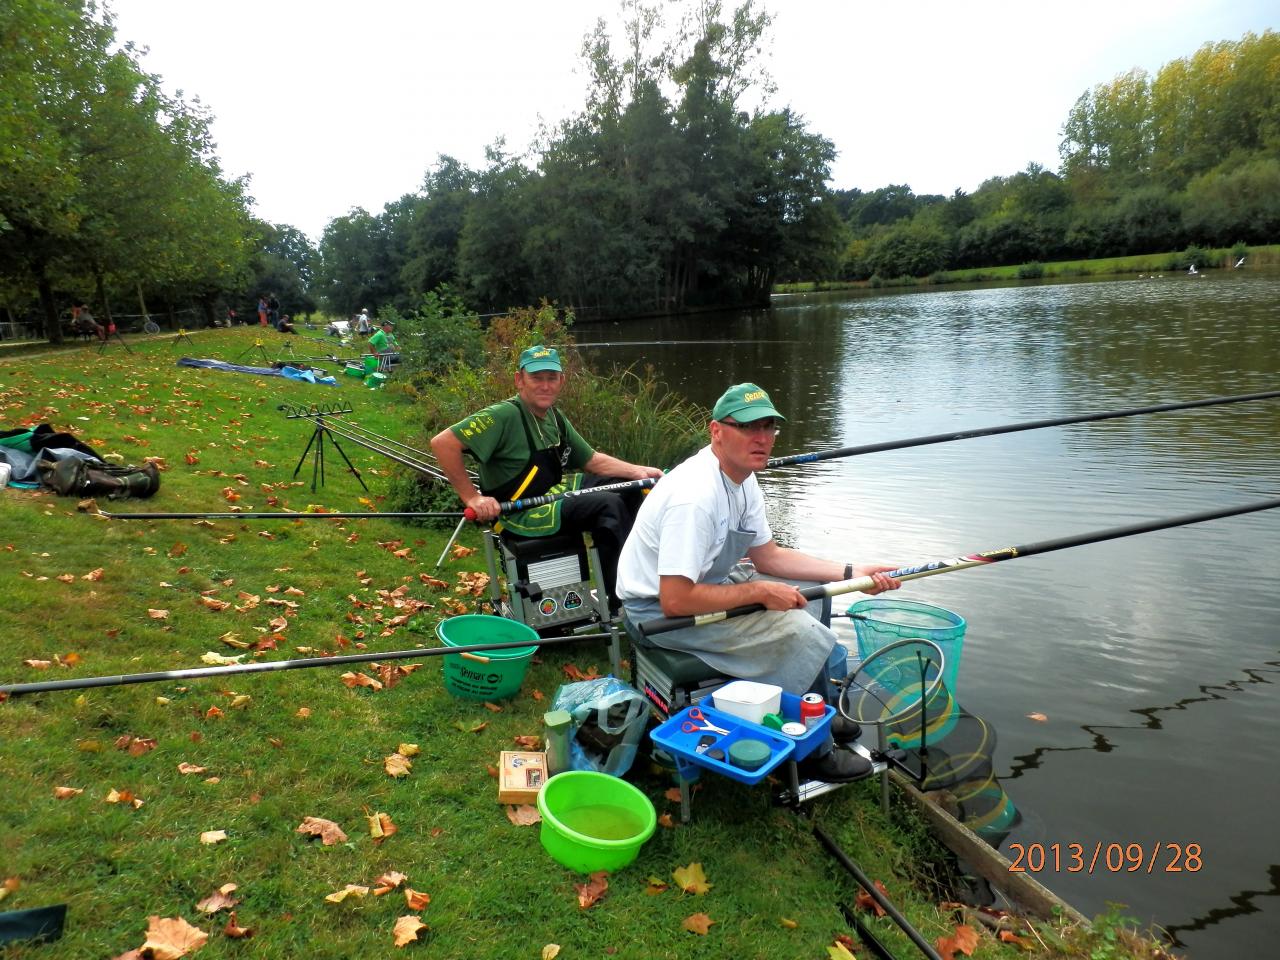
(521, 775)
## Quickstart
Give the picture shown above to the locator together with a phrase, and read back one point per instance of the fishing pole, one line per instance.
(277, 516)
(664, 343)
(935, 567)
(472, 652)
(804, 458)
(1013, 428)
(511, 506)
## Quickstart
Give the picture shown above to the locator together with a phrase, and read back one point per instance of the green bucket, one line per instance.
(491, 674)
(592, 821)
(882, 620)
(370, 364)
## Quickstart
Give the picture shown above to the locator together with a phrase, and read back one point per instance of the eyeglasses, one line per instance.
(755, 426)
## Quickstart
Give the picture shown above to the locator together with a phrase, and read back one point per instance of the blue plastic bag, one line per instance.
(609, 718)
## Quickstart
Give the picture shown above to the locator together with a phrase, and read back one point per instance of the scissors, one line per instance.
(697, 720)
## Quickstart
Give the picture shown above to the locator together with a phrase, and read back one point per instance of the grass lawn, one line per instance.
(254, 755)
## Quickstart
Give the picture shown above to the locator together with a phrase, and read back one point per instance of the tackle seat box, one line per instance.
(669, 679)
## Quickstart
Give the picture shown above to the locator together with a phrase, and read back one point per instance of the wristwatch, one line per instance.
(848, 571)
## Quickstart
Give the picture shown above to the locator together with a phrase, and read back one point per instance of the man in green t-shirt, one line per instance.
(526, 448)
(383, 342)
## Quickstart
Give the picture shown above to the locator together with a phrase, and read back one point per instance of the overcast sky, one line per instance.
(331, 106)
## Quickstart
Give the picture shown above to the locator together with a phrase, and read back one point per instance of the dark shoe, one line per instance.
(836, 766)
(844, 730)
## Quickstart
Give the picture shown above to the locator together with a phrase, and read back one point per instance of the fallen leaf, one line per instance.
(380, 826)
(157, 614)
(1008, 936)
(698, 923)
(524, 815)
(551, 951)
(220, 899)
(408, 750)
(838, 951)
(964, 939)
(416, 899)
(388, 882)
(406, 929)
(350, 890)
(123, 796)
(65, 793)
(360, 680)
(218, 660)
(787, 922)
(328, 831)
(691, 879)
(171, 938)
(864, 900)
(656, 886)
(526, 742)
(591, 891)
(303, 712)
(666, 821)
(213, 836)
(673, 794)
(234, 930)
(397, 765)
(94, 575)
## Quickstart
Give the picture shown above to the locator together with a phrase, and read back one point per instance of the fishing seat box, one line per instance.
(669, 679)
(553, 586)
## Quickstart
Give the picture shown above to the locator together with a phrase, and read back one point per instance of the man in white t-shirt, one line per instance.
(684, 555)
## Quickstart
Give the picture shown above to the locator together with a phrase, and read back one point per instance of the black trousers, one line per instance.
(608, 518)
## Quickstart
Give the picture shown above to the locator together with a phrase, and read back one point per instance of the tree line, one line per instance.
(673, 188)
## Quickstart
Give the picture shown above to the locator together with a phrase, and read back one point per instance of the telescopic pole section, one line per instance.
(866, 884)
(275, 516)
(802, 458)
(935, 567)
(17, 689)
(512, 506)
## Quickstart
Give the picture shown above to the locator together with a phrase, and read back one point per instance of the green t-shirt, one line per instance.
(380, 342)
(496, 438)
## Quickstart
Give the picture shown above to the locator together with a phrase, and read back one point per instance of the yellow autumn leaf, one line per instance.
(350, 890)
(211, 837)
(551, 951)
(218, 660)
(691, 879)
(408, 750)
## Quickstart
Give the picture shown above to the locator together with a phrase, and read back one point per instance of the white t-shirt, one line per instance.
(682, 525)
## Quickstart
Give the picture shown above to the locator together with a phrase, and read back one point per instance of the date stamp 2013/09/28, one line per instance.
(1109, 857)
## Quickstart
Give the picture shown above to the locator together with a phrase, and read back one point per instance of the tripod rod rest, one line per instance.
(296, 411)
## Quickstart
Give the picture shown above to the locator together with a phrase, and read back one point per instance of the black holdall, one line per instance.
(74, 477)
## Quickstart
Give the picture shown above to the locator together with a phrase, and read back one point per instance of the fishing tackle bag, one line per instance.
(75, 477)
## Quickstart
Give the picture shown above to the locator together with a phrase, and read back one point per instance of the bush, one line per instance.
(440, 333)
(1031, 271)
(1192, 256)
(626, 414)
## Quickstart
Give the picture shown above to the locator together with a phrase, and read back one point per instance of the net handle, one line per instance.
(850, 682)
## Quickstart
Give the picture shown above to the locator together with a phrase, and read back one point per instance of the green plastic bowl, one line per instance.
(490, 675)
(592, 821)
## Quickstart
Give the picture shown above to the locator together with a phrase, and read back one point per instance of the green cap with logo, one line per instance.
(745, 402)
(538, 358)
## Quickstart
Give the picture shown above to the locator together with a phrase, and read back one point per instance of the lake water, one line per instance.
(1154, 659)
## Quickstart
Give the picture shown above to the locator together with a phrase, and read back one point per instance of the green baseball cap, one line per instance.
(745, 402)
(540, 358)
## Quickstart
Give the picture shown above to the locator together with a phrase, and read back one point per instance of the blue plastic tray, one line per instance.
(816, 735)
(682, 746)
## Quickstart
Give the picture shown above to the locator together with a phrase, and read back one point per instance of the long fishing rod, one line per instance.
(473, 652)
(1013, 428)
(935, 567)
(360, 515)
(805, 458)
(512, 506)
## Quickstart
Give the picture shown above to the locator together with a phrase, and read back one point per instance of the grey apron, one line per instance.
(788, 648)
